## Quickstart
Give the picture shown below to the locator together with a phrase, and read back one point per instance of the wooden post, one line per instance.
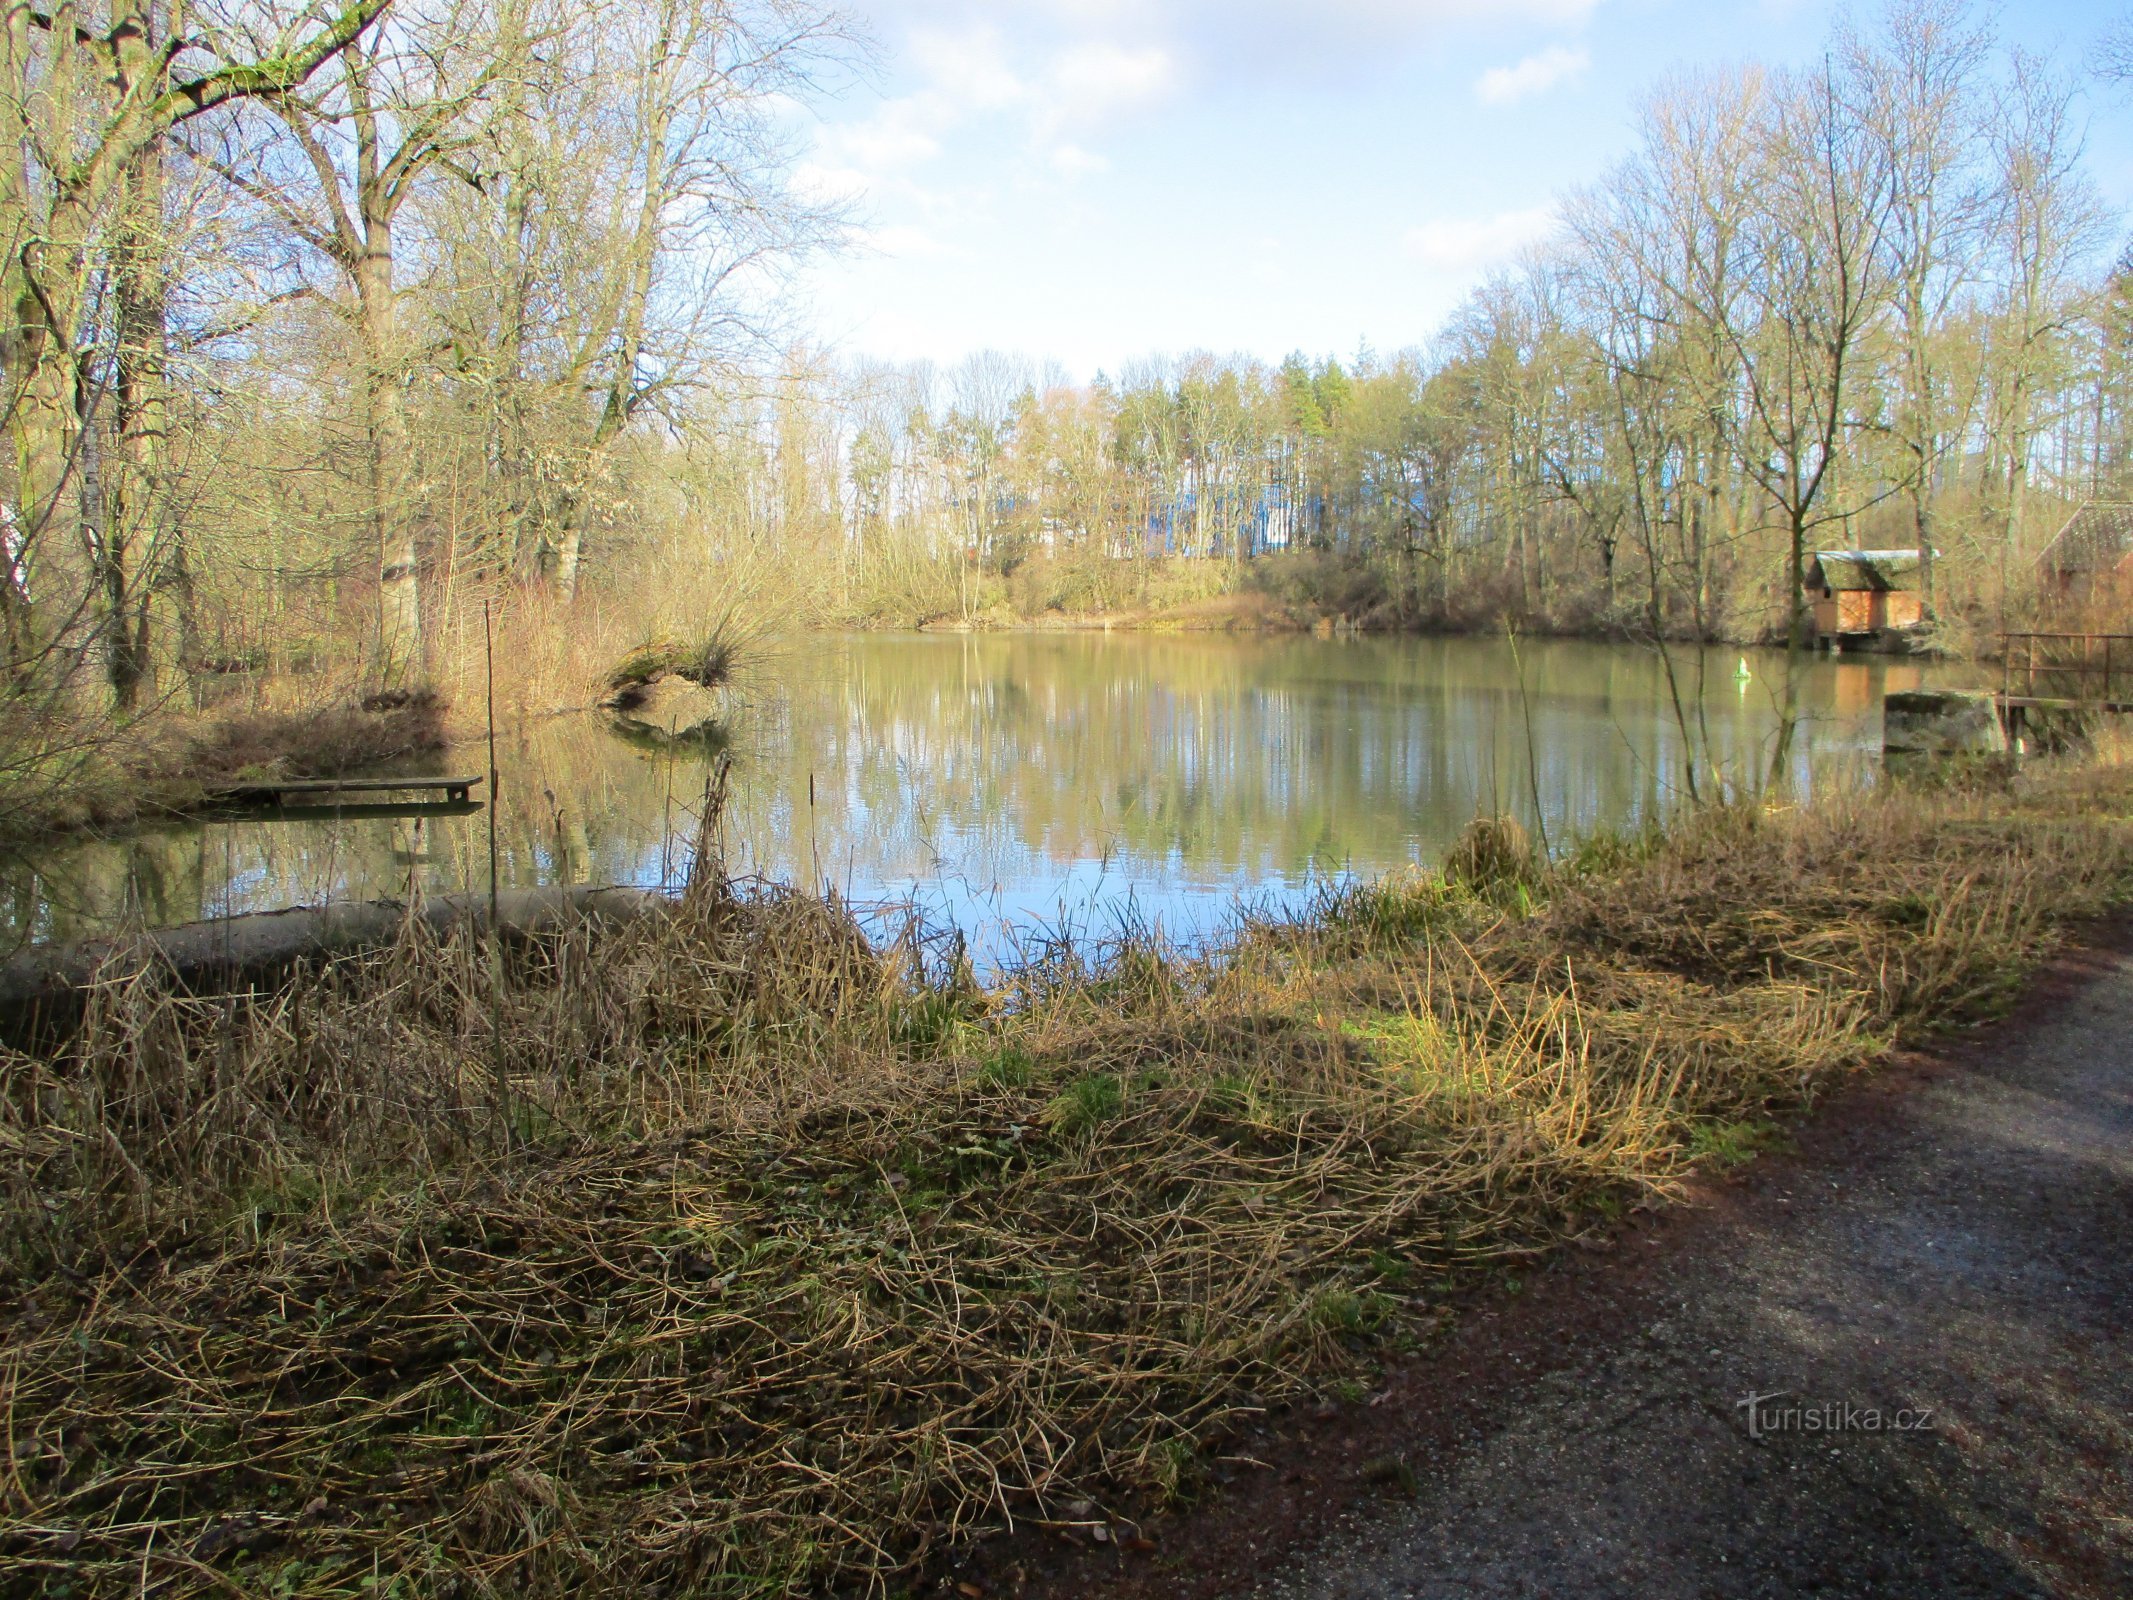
(499, 1066)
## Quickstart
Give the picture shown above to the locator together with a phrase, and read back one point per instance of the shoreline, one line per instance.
(154, 775)
(1248, 612)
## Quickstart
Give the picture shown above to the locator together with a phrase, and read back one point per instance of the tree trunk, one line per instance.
(21, 339)
(1796, 577)
(1924, 437)
(569, 545)
(44, 425)
(515, 452)
(399, 658)
(1922, 522)
(136, 509)
(2011, 523)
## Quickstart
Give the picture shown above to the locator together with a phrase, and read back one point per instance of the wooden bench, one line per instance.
(279, 792)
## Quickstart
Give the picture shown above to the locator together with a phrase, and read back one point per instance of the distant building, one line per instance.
(2091, 555)
(1862, 598)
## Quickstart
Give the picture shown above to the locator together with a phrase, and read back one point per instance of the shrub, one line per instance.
(1493, 857)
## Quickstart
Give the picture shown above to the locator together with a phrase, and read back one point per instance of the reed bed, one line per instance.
(728, 1253)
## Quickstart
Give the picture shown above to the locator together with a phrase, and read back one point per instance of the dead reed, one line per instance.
(798, 1265)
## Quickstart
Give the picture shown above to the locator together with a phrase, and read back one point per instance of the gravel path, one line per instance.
(1954, 1244)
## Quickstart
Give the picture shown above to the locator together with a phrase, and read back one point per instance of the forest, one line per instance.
(334, 331)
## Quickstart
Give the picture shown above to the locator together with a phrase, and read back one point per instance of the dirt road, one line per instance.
(1932, 1294)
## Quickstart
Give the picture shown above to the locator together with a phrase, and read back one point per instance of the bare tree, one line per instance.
(1914, 87)
(2112, 57)
(1669, 259)
(2045, 223)
(86, 104)
(401, 106)
(1819, 238)
(648, 212)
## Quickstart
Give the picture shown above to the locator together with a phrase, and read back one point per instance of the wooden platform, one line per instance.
(323, 793)
(2041, 702)
(2015, 709)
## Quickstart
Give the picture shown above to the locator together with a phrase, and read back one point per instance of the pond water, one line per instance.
(1020, 785)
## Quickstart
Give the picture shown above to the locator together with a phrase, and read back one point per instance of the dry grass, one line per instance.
(329, 741)
(168, 764)
(775, 1263)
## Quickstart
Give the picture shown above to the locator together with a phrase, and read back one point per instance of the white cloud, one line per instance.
(962, 75)
(1092, 82)
(1462, 245)
(1072, 161)
(901, 240)
(1251, 40)
(1384, 19)
(1536, 74)
(884, 142)
(967, 67)
(1044, 84)
(965, 87)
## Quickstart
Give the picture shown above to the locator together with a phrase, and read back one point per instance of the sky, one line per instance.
(1096, 181)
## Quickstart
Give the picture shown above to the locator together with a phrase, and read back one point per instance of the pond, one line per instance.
(1022, 785)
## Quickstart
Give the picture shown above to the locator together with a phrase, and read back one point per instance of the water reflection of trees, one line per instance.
(1021, 759)
(1006, 756)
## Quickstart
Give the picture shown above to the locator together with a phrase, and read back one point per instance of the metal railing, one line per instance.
(2067, 666)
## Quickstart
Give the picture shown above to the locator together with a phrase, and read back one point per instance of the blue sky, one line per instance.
(1096, 180)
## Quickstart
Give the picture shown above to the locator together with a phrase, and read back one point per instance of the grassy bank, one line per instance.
(723, 1253)
(167, 765)
(175, 757)
(317, 708)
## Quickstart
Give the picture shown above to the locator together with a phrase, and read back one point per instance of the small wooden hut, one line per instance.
(1862, 598)
(2091, 556)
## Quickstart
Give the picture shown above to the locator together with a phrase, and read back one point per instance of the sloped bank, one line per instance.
(728, 1253)
(163, 768)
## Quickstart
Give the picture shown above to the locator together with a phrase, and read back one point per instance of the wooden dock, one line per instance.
(2063, 672)
(341, 794)
(2040, 702)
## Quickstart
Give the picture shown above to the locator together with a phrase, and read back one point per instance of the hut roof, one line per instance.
(2096, 538)
(1864, 569)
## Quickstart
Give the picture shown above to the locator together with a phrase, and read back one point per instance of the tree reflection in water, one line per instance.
(1009, 781)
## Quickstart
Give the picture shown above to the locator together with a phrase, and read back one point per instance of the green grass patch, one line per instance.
(1085, 1105)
